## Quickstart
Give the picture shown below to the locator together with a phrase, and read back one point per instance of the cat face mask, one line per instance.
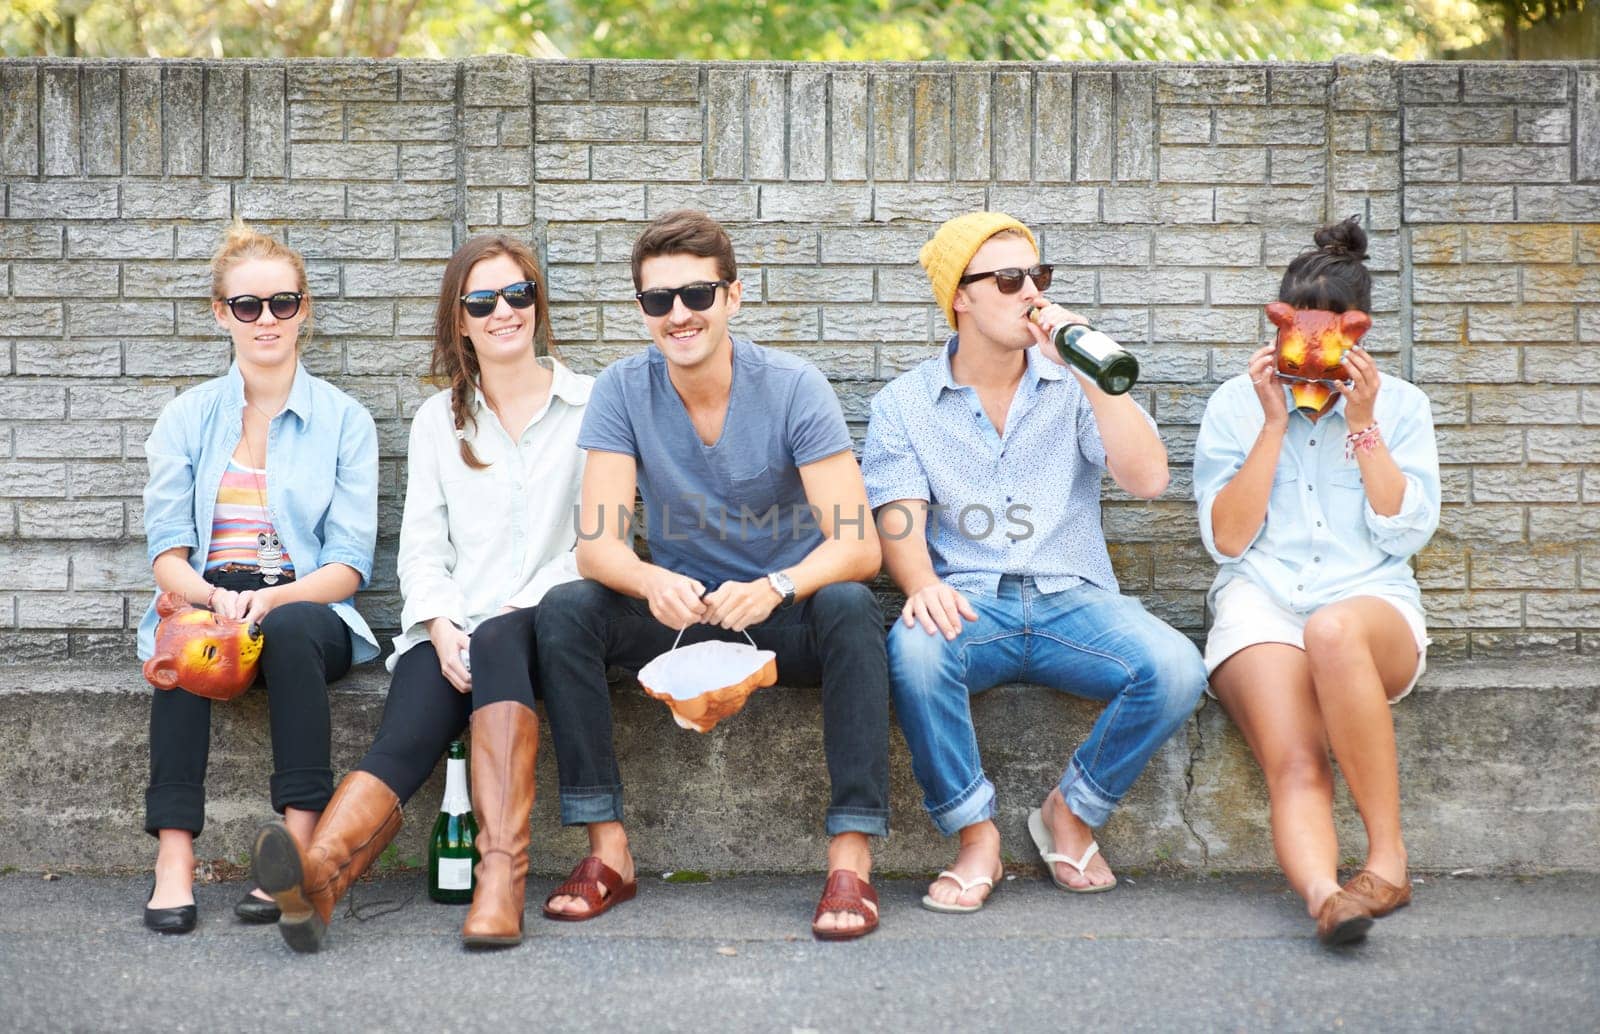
(1310, 350)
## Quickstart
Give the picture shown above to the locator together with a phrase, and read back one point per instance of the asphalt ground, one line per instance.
(1160, 953)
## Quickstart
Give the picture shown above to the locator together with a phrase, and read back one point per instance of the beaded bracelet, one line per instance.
(211, 596)
(1362, 442)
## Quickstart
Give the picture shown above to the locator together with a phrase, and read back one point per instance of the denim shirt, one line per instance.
(1023, 503)
(322, 482)
(1321, 540)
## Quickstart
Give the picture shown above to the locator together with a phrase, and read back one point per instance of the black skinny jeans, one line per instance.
(424, 712)
(305, 647)
(833, 639)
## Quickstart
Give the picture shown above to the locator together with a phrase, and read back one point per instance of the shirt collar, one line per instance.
(1338, 403)
(1038, 369)
(298, 402)
(564, 384)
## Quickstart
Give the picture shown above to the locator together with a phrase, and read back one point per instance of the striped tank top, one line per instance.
(241, 524)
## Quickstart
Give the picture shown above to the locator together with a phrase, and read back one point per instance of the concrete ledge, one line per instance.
(1500, 768)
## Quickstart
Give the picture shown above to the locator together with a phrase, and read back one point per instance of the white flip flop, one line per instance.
(1046, 844)
(932, 905)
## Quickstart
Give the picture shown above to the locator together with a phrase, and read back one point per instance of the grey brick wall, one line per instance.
(1171, 198)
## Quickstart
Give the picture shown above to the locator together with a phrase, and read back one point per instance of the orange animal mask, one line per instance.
(1311, 346)
(208, 655)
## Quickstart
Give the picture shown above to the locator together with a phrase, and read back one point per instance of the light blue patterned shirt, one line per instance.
(322, 482)
(1028, 501)
(1321, 541)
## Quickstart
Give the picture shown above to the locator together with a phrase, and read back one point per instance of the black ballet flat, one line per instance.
(252, 909)
(170, 920)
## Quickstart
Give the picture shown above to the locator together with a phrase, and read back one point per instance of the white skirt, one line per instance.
(1246, 615)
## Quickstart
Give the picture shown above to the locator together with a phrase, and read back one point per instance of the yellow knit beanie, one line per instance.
(946, 256)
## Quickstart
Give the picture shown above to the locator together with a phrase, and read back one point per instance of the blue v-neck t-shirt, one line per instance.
(734, 510)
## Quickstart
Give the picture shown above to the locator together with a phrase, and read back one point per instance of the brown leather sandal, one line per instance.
(587, 882)
(846, 892)
(1378, 895)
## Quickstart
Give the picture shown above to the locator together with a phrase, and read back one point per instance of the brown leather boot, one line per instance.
(358, 823)
(505, 740)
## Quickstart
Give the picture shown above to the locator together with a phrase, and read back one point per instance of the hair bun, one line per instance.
(1343, 238)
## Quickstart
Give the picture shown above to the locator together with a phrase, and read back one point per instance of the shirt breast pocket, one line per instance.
(1347, 478)
(1346, 487)
(1285, 488)
(757, 492)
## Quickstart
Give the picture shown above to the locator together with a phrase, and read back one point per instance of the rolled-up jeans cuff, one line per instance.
(1086, 800)
(974, 804)
(308, 789)
(591, 804)
(175, 806)
(871, 821)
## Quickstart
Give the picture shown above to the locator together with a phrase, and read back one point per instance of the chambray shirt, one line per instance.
(473, 541)
(1321, 541)
(1029, 500)
(322, 482)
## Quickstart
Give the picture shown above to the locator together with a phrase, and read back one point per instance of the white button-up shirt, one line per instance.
(474, 541)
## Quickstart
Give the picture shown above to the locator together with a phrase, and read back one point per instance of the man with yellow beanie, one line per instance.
(984, 465)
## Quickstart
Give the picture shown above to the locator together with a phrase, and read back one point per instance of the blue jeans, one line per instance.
(1084, 640)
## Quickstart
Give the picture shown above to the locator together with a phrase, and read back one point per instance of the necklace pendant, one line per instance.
(269, 557)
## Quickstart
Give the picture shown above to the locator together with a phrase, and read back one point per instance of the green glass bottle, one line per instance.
(1100, 358)
(452, 854)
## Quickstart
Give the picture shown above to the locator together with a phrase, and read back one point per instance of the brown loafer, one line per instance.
(1343, 919)
(1379, 895)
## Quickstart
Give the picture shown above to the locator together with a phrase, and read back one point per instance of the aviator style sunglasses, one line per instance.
(697, 297)
(1009, 280)
(519, 295)
(246, 308)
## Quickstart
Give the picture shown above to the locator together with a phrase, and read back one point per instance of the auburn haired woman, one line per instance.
(492, 481)
(262, 504)
(1317, 480)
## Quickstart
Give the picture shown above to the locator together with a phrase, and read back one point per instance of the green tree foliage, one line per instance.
(260, 28)
(836, 30)
(1003, 30)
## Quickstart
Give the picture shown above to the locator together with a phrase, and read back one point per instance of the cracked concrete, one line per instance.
(1196, 731)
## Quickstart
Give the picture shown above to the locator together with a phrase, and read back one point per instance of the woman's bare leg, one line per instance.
(1362, 653)
(1267, 691)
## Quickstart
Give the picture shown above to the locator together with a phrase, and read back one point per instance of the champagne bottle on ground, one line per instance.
(451, 851)
(1100, 358)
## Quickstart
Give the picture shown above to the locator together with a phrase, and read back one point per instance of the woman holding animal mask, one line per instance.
(261, 505)
(492, 482)
(1318, 478)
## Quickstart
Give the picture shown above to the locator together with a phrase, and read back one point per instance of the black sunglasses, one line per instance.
(1009, 280)
(246, 308)
(519, 295)
(697, 296)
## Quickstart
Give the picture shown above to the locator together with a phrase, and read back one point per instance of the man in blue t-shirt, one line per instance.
(757, 520)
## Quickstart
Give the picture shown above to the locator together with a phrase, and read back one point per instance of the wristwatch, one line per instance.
(784, 585)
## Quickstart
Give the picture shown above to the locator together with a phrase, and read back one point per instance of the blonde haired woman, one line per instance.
(261, 504)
